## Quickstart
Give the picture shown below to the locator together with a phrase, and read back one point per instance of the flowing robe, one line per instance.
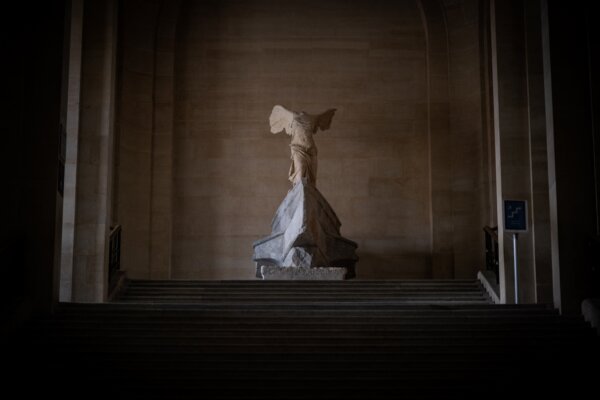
(301, 127)
(304, 157)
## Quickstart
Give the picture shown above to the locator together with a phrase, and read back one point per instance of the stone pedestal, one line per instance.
(271, 272)
(305, 243)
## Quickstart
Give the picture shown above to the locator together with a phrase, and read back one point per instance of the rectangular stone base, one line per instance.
(270, 272)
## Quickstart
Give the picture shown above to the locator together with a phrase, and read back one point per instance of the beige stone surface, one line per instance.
(230, 172)
(302, 127)
(84, 263)
(270, 272)
(72, 136)
(470, 209)
(200, 176)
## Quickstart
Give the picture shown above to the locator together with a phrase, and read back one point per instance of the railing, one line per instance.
(492, 262)
(114, 253)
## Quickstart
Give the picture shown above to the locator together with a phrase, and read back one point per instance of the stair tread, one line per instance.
(253, 339)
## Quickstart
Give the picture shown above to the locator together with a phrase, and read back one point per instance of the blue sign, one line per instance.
(515, 215)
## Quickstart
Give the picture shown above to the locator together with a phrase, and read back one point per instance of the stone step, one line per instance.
(318, 338)
(327, 318)
(273, 358)
(268, 286)
(402, 331)
(311, 308)
(302, 286)
(295, 320)
(317, 346)
(295, 365)
(419, 387)
(302, 340)
(300, 293)
(280, 318)
(316, 301)
(209, 374)
(397, 328)
(304, 294)
(258, 282)
(302, 309)
(283, 300)
(306, 309)
(337, 311)
(407, 345)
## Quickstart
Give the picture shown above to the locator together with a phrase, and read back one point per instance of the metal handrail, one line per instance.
(492, 261)
(493, 232)
(114, 252)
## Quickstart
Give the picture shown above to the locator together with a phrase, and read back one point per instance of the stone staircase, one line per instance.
(303, 293)
(304, 340)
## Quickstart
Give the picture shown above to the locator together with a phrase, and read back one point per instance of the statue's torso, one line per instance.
(303, 139)
(303, 128)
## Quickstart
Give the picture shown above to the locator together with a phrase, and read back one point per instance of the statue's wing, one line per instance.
(281, 119)
(324, 119)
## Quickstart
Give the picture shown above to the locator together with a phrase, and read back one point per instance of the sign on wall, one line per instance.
(515, 215)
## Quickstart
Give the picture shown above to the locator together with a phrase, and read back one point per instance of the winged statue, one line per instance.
(301, 127)
(305, 240)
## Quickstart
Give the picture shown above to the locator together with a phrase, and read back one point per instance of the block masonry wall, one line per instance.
(200, 176)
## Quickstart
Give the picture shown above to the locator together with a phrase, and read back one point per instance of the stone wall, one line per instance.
(94, 154)
(145, 136)
(234, 61)
(200, 176)
(135, 109)
(470, 206)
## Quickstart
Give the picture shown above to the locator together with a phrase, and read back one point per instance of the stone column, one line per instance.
(94, 157)
(465, 146)
(136, 162)
(72, 135)
(520, 143)
(162, 143)
(439, 140)
(513, 174)
(540, 205)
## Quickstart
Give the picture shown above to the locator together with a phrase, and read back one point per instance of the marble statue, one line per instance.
(301, 127)
(305, 241)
